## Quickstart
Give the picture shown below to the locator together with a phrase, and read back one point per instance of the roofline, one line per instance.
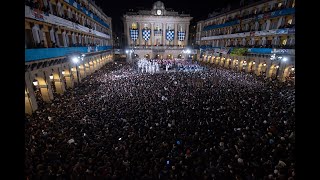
(238, 9)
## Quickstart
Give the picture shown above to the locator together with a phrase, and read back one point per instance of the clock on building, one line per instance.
(159, 12)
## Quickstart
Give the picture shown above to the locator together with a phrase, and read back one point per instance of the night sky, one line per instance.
(199, 9)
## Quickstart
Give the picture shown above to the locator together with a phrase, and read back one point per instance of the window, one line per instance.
(284, 41)
(28, 38)
(293, 4)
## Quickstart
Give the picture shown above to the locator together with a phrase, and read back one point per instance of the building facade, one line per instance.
(65, 40)
(258, 38)
(156, 33)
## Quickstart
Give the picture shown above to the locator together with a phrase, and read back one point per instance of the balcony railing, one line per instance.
(88, 13)
(157, 47)
(254, 50)
(252, 33)
(52, 19)
(273, 14)
(45, 53)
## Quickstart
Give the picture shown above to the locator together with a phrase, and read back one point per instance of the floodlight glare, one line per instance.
(75, 59)
(284, 59)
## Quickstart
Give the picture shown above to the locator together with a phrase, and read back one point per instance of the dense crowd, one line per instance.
(120, 124)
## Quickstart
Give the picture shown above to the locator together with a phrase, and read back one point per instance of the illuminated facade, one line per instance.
(158, 32)
(258, 38)
(65, 40)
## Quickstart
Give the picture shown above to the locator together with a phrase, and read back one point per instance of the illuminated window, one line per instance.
(284, 42)
(293, 3)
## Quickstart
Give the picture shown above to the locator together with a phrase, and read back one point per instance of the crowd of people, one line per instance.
(121, 124)
(149, 66)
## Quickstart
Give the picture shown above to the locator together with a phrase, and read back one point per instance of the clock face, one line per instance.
(158, 12)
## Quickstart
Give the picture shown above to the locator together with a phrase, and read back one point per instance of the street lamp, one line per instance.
(76, 61)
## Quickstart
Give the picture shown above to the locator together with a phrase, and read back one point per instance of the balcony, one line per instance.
(275, 50)
(72, 3)
(45, 53)
(286, 31)
(265, 15)
(87, 12)
(157, 47)
(52, 19)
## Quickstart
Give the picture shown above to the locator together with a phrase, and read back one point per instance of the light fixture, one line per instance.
(51, 76)
(63, 72)
(35, 82)
(79, 66)
(75, 60)
(253, 62)
(127, 51)
(244, 62)
(264, 64)
(277, 66)
(83, 55)
(284, 59)
(292, 69)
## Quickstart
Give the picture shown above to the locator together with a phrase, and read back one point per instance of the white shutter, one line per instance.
(64, 39)
(52, 36)
(35, 34)
(57, 39)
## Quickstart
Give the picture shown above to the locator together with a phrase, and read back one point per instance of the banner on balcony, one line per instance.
(282, 31)
(283, 51)
(146, 33)
(181, 35)
(292, 31)
(158, 32)
(134, 33)
(170, 35)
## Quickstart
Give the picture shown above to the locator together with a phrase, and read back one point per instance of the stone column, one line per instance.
(175, 41)
(31, 96)
(163, 33)
(187, 34)
(50, 90)
(69, 80)
(152, 34)
(127, 31)
(60, 88)
(140, 34)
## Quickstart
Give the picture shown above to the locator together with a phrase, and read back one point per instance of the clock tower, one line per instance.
(158, 9)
